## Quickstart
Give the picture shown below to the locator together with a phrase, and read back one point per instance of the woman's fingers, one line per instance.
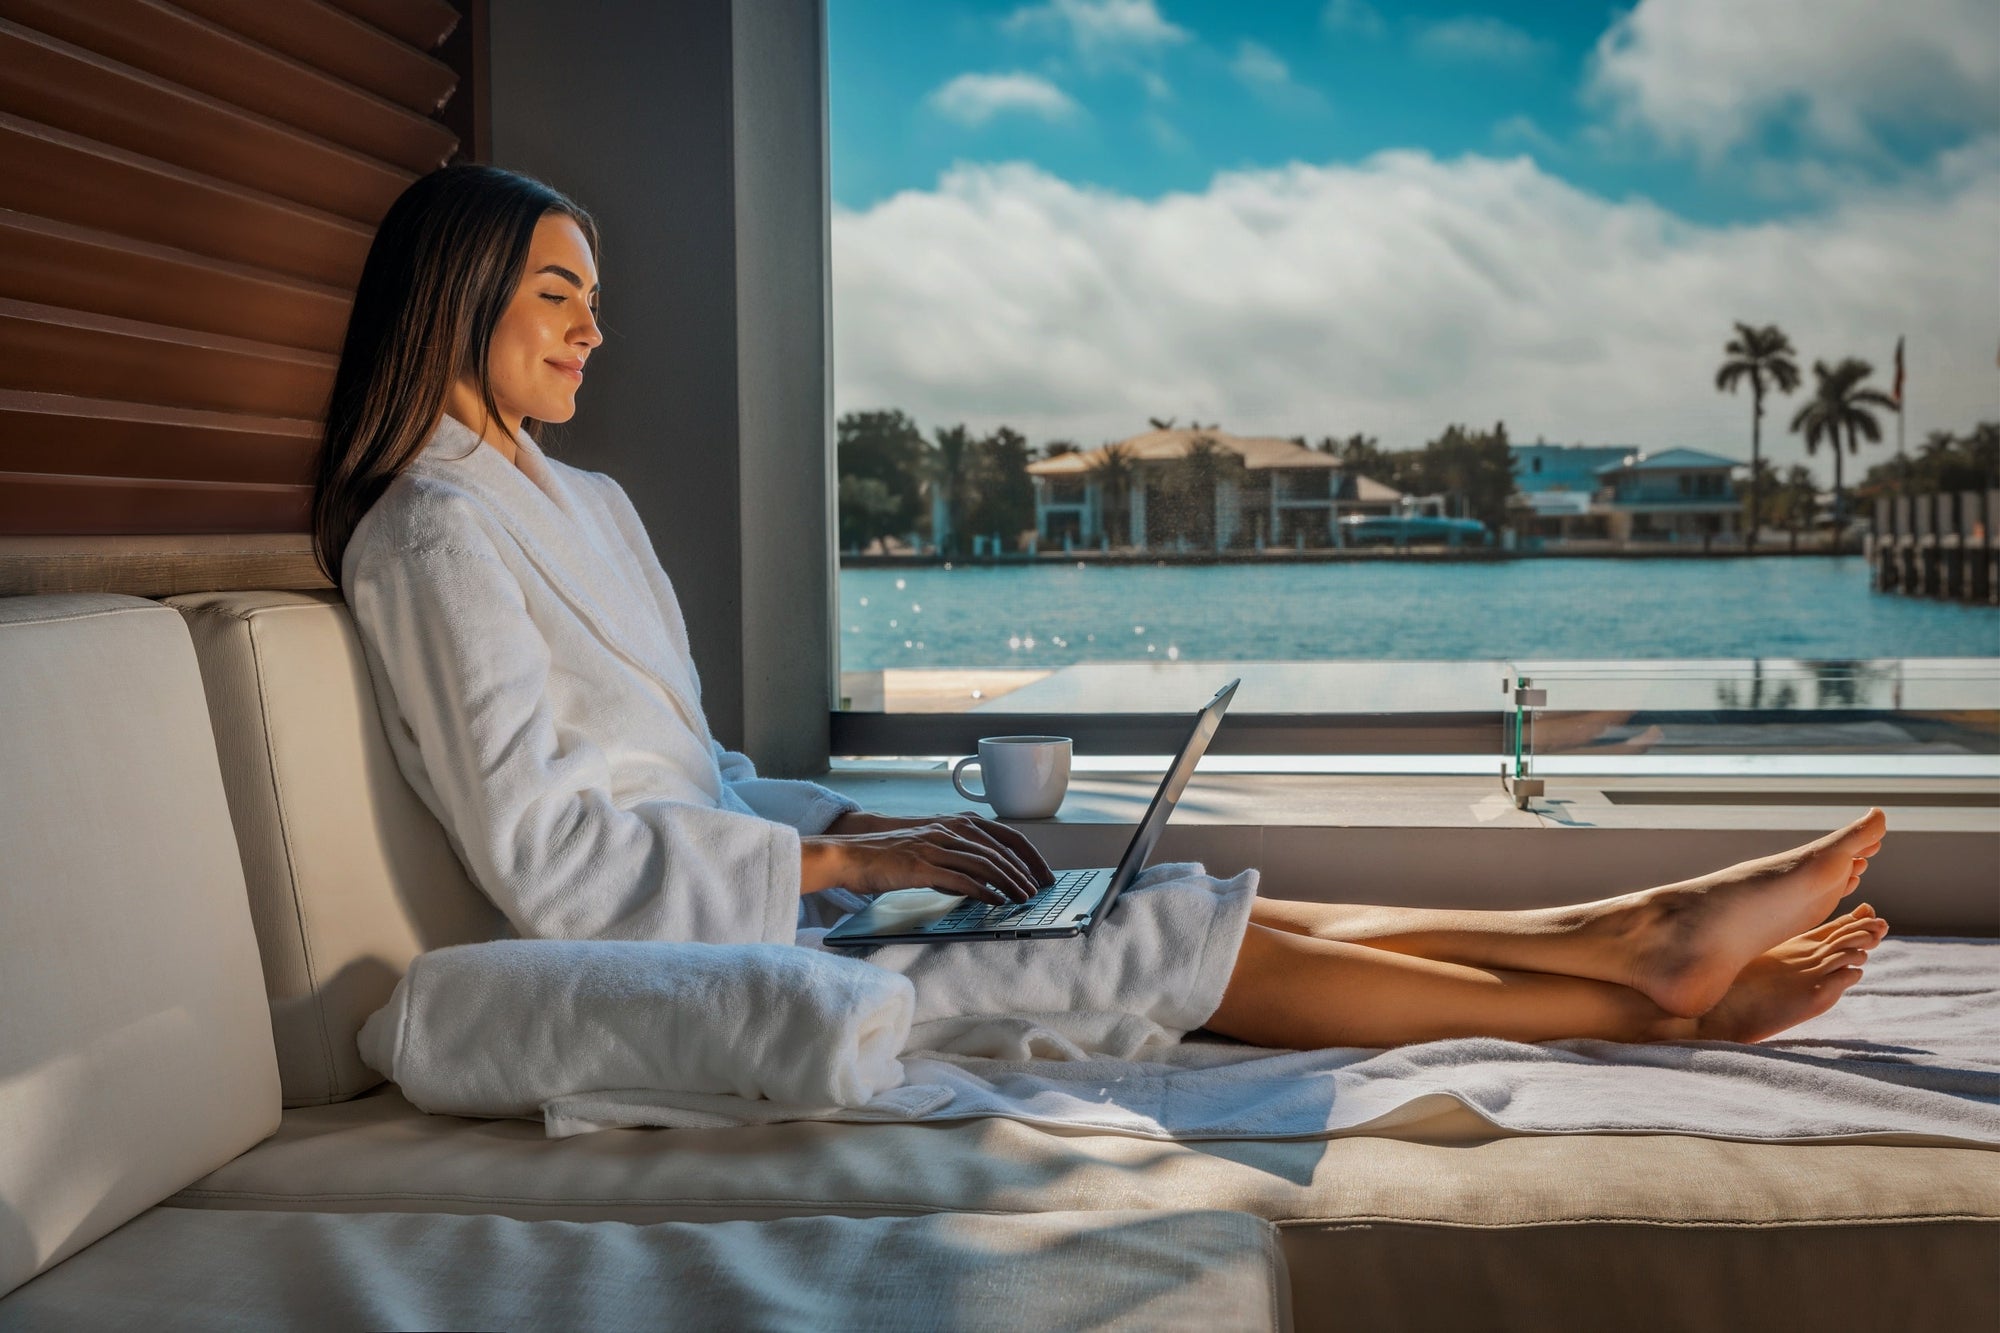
(974, 857)
(1016, 842)
(1005, 842)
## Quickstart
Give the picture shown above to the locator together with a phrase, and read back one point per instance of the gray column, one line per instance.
(695, 132)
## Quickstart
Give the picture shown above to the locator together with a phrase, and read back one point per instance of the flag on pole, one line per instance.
(1897, 392)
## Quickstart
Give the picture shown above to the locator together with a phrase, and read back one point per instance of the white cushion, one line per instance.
(1206, 1272)
(135, 1047)
(1673, 1231)
(349, 875)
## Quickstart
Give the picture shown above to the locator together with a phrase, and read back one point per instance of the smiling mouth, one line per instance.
(574, 372)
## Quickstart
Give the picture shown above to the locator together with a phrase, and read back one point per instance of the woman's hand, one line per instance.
(966, 854)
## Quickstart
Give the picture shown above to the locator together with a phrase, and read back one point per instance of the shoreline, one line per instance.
(1331, 555)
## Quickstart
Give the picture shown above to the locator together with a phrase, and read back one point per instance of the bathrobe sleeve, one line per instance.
(527, 793)
(806, 806)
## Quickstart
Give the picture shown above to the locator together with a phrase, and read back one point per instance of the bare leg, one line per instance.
(1300, 992)
(1681, 944)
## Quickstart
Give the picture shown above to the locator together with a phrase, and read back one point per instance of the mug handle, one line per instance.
(958, 768)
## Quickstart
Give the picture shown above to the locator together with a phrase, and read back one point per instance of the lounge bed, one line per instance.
(191, 947)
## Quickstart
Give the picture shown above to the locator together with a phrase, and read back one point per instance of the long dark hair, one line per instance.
(444, 265)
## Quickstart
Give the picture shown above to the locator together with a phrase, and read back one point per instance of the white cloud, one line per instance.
(1395, 296)
(1258, 68)
(1098, 27)
(1525, 132)
(1704, 74)
(1355, 16)
(974, 99)
(1259, 64)
(1477, 38)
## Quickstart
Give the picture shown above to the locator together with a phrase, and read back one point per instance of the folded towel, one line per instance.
(498, 1029)
(1911, 1053)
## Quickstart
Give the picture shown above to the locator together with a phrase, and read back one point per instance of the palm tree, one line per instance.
(1114, 466)
(1840, 404)
(1764, 357)
(1201, 471)
(1797, 498)
(951, 479)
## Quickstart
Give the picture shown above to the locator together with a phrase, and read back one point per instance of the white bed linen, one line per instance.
(1911, 1053)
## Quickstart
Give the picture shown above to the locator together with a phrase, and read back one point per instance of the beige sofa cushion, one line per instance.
(135, 1049)
(1368, 1222)
(349, 876)
(1203, 1272)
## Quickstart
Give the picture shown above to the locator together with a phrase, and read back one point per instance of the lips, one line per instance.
(574, 369)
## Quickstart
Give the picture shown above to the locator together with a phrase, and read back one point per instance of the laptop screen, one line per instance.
(1155, 822)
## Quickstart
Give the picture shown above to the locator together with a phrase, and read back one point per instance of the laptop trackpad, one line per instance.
(909, 909)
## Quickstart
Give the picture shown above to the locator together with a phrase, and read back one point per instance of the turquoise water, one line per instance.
(1036, 616)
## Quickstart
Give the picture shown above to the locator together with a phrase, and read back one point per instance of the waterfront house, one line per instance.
(1623, 494)
(1674, 495)
(1268, 491)
(1556, 489)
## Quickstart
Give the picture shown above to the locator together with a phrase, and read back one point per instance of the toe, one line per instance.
(1832, 926)
(1844, 958)
(1862, 832)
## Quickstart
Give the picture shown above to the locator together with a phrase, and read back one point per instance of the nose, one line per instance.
(588, 333)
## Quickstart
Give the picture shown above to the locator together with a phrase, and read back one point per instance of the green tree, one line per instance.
(1840, 407)
(1196, 478)
(1002, 495)
(949, 474)
(867, 511)
(1114, 468)
(1764, 357)
(888, 449)
(1474, 467)
(1360, 456)
(1943, 462)
(1760, 499)
(1795, 502)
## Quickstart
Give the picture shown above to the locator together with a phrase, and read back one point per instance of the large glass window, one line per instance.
(1386, 355)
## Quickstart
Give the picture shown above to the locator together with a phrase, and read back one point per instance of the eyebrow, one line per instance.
(565, 274)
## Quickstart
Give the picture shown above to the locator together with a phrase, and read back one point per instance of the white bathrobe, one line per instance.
(532, 668)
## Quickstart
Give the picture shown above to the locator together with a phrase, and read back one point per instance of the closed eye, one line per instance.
(559, 298)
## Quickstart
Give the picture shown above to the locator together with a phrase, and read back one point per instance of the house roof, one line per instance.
(1367, 488)
(1259, 453)
(1670, 460)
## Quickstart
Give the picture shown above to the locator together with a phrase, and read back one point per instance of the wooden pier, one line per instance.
(1938, 545)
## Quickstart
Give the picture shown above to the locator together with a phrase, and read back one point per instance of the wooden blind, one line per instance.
(187, 192)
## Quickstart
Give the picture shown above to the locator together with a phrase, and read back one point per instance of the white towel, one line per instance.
(499, 1029)
(1911, 1053)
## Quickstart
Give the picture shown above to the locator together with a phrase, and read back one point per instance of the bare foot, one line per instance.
(1797, 980)
(1692, 939)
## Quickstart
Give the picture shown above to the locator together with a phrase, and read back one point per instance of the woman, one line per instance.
(534, 675)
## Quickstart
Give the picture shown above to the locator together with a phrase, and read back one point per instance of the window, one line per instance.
(1175, 343)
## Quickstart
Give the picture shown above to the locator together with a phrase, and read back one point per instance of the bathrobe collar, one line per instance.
(563, 533)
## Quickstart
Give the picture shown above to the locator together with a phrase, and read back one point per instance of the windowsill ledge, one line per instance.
(1460, 842)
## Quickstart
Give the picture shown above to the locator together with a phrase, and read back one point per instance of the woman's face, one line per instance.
(535, 362)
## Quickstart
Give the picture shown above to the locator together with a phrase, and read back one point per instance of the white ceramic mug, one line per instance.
(1024, 776)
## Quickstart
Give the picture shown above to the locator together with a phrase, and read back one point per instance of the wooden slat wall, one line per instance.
(187, 193)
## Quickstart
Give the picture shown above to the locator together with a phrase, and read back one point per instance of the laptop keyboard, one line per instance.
(1048, 905)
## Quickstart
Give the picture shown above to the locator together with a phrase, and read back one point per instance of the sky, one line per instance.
(1313, 217)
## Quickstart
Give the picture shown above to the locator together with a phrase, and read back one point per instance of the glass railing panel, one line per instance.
(1907, 717)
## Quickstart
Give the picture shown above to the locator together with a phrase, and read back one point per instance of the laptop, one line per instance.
(1073, 905)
